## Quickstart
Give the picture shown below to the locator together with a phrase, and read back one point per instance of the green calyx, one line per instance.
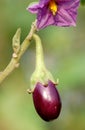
(41, 74)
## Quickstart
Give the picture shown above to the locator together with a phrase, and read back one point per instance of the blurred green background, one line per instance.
(64, 50)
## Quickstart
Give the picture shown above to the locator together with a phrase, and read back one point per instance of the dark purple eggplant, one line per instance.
(47, 101)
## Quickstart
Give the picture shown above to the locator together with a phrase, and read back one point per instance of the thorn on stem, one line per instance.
(14, 55)
(29, 91)
(57, 81)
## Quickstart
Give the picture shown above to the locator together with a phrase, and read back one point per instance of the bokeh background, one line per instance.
(64, 50)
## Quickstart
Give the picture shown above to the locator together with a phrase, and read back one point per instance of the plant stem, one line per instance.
(39, 52)
(14, 62)
(41, 73)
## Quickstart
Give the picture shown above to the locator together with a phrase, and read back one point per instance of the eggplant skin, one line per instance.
(47, 101)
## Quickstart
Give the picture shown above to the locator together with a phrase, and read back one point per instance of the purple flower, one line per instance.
(55, 12)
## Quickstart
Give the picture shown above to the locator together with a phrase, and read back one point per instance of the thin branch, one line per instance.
(18, 51)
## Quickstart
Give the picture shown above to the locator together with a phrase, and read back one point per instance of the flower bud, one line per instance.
(47, 100)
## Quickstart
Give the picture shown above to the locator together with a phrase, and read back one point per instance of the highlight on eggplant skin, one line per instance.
(47, 101)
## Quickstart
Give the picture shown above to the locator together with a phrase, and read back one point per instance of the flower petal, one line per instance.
(45, 18)
(68, 4)
(65, 15)
(43, 2)
(33, 7)
(63, 18)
